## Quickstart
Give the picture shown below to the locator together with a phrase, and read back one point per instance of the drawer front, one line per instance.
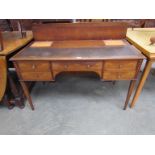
(34, 66)
(109, 75)
(36, 76)
(123, 65)
(77, 66)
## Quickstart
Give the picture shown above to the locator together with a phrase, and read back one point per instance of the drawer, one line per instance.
(112, 75)
(77, 66)
(36, 76)
(34, 66)
(124, 65)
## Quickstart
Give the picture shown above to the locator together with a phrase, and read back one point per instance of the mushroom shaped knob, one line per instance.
(152, 40)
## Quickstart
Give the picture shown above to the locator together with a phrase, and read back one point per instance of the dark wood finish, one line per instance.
(1, 41)
(6, 102)
(18, 97)
(81, 50)
(79, 31)
(126, 52)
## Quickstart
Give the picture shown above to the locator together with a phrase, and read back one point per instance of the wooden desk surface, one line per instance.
(82, 53)
(12, 42)
(140, 37)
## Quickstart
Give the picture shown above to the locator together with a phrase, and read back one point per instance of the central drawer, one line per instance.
(77, 66)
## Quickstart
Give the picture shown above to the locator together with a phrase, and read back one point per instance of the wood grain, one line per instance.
(140, 37)
(78, 44)
(13, 42)
(79, 31)
(3, 76)
(114, 42)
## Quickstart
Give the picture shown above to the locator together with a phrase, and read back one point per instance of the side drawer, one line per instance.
(77, 66)
(124, 65)
(113, 75)
(36, 76)
(34, 66)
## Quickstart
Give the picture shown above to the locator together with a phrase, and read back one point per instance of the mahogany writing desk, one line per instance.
(78, 47)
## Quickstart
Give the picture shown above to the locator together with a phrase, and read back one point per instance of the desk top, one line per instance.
(12, 41)
(140, 37)
(95, 51)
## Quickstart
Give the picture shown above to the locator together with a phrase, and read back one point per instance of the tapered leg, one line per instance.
(27, 94)
(130, 90)
(141, 83)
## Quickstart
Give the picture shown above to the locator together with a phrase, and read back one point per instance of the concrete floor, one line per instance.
(82, 104)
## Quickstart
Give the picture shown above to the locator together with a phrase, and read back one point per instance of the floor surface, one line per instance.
(82, 104)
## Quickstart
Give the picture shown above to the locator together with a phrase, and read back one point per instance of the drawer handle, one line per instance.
(66, 66)
(120, 66)
(119, 76)
(88, 66)
(33, 66)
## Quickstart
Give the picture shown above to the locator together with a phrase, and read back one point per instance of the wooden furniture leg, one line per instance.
(142, 81)
(130, 90)
(18, 98)
(5, 100)
(27, 94)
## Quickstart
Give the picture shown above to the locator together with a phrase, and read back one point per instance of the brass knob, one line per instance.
(33, 66)
(66, 66)
(119, 76)
(88, 66)
(120, 66)
(152, 40)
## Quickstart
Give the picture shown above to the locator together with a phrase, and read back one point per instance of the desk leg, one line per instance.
(141, 83)
(130, 90)
(27, 94)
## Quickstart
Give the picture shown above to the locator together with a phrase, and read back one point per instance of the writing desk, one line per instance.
(140, 38)
(110, 62)
(12, 42)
